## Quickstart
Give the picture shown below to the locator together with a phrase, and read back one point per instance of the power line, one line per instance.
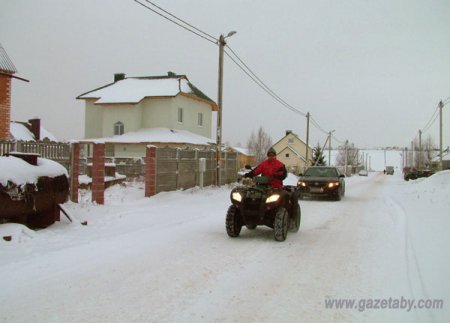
(184, 27)
(262, 87)
(432, 120)
(279, 99)
(238, 61)
(201, 31)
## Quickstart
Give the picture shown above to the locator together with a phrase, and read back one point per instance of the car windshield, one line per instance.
(321, 172)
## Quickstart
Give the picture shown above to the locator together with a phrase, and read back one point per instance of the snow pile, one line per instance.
(20, 172)
(15, 232)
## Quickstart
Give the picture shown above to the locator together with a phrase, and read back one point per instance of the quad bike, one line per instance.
(255, 203)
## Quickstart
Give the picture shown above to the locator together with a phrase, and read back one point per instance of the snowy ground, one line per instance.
(169, 259)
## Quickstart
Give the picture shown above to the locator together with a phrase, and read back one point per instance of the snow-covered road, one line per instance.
(169, 259)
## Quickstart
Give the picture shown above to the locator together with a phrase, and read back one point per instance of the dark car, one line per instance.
(415, 174)
(320, 181)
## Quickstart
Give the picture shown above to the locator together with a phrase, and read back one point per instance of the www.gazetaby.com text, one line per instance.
(395, 303)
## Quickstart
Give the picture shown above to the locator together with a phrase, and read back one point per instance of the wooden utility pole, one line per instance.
(441, 105)
(307, 138)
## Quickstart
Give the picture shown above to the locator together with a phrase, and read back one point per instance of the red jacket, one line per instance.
(273, 169)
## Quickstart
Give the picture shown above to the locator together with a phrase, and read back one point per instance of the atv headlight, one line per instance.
(236, 196)
(333, 184)
(300, 183)
(273, 198)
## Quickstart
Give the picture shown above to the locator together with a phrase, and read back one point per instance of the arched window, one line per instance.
(119, 128)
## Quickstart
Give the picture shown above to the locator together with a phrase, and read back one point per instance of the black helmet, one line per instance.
(271, 151)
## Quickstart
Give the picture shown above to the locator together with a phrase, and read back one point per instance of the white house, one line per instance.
(136, 105)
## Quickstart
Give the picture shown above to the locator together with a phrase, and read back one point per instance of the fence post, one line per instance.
(74, 172)
(98, 174)
(150, 171)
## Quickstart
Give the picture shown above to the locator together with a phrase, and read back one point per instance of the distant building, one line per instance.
(445, 160)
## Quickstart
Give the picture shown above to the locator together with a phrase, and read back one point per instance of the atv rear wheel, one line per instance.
(281, 224)
(296, 218)
(233, 221)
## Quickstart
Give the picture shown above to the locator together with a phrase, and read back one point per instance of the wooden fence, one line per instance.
(179, 168)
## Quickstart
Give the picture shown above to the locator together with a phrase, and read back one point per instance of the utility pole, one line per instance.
(307, 138)
(441, 105)
(222, 44)
(346, 155)
(420, 149)
(329, 147)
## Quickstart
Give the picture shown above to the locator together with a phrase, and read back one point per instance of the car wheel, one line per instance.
(233, 221)
(339, 195)
(281, 224)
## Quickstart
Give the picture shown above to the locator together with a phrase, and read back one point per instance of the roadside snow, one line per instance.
(20, 172)
(168, 258)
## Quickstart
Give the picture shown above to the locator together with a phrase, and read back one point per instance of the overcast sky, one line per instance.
(373, 71)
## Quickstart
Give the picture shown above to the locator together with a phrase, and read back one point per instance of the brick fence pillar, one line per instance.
(74, 172)
(150, 171)
(98, 174)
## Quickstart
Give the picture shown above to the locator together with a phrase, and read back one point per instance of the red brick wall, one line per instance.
(150, 171)
(5, 106)
(74, 172)
(98, 174)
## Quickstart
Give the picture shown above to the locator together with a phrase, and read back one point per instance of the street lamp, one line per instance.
(222, 44)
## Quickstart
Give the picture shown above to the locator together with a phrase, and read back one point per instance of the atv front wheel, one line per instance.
(281, 224)
(233, 221)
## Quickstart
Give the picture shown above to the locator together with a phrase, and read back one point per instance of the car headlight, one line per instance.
(272, 198)
(303, 184)
(333, 184)
(236, 196)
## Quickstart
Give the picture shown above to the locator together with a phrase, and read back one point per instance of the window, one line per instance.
(119, 128)
(290, 140)
(200, 119)
(180, 115)
(287, 155)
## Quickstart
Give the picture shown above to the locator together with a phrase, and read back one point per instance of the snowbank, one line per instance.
(20, 172)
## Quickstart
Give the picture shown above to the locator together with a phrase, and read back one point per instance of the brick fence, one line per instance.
(165, 169)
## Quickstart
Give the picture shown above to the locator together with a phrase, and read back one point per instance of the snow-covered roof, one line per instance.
(243, 151)
(135, 89)
(20, 172)
(156, 135)
(6, 65)
(20, 132)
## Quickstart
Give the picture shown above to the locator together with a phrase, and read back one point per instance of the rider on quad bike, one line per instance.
(272, 168)
(265, 201)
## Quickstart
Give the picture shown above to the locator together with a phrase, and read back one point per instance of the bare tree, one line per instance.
(347, 154)
(422, 158)
(258, 144)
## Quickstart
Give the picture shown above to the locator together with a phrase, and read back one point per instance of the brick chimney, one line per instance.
(35, 128)
(5, 106)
